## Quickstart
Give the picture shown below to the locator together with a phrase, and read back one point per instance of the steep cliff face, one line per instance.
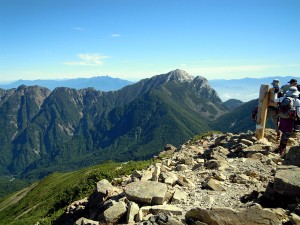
(18, 107)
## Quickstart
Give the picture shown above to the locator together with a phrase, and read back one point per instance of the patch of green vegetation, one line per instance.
(9, 184)
(47, 199)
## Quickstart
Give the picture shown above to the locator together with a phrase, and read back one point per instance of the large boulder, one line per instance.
(147, 192)
(287, 181)
(293, 156)
(114, 213)
(225, 216)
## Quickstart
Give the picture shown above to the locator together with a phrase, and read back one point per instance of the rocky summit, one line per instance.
(218, 179)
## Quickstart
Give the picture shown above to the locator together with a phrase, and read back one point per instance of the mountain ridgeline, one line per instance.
(44, 131)
(103, 83)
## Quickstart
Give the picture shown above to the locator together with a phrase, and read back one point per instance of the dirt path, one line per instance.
(16, 197)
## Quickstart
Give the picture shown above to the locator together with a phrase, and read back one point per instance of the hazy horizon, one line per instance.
(136, 80)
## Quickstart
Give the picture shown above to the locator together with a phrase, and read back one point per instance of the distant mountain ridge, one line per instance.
(42, 131)
(245, 89)
(102, 83)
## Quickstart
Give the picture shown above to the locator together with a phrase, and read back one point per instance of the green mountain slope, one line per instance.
(47, 198)
(238, 120)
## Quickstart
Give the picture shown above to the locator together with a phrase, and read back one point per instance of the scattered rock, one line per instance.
(219, 179)
(104, 187)
(85, 221)
(179, 197)
(148, 192)
(215, 185)
(114, 213)
(133, 210)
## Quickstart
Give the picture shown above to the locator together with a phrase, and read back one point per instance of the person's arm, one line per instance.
(297, 106)
(276, 99)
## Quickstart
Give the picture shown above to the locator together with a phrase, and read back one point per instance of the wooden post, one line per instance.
(262, 111)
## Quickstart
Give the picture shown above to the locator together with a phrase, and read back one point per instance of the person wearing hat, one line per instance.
(292, 83)
(273, 106)
(286, 122)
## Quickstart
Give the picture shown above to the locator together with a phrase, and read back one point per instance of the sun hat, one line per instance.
(292, 92)
(292, 81)
(275, 82)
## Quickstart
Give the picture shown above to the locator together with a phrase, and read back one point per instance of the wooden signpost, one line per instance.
(262, 111)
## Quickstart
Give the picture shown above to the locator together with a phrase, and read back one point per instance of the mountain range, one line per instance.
(42, 131)
(244, 89)
(103, 83)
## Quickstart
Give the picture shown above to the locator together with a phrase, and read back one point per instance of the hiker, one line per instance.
(287, 116)
(273, 106)
(292, 83)
(297, 122)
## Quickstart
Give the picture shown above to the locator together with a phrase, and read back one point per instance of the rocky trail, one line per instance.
(220, 179)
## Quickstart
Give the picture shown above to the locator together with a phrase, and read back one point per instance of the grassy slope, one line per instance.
(239, 120)
(46, 200)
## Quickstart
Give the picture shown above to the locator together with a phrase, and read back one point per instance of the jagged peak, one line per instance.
(179, 75)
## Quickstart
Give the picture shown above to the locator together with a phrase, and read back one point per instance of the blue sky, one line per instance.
(134, 39)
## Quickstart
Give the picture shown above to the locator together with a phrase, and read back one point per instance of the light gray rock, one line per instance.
(104, 187)
(287, 181)
(147, 175)
(115, 212)
(293, 156)
(215, 185)
(164, 168)
(179, 197)
(148, 192)
(295, 219)
(77, 206)
(156, 172)
(140, 216)
(246, 142)
(133, 210)
(224, 216)
(218, 153)
(85, 221)
(167, 162)
(169, 178)
(255, 155)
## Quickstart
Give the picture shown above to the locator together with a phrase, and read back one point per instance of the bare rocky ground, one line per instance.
(218, 179)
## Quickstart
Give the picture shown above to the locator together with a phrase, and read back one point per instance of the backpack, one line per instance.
(287, 108)
(254, 113)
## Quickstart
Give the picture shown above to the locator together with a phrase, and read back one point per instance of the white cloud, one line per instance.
(78, 28)
(116, 35)
(88, 60)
